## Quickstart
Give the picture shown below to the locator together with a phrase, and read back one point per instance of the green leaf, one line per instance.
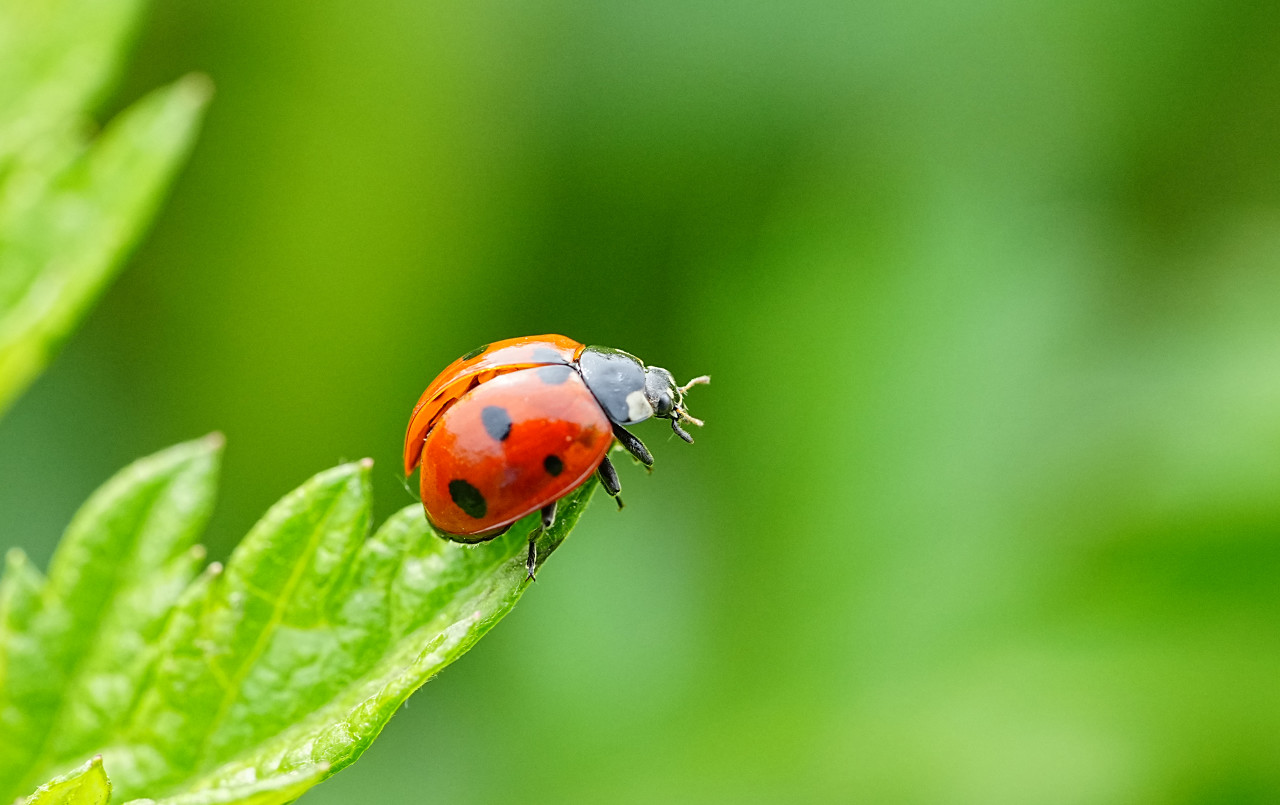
(275, 790)
(62, 238)
(70, 210)
(59, 57)
(86, 785)
(75, 646)
(269, 675)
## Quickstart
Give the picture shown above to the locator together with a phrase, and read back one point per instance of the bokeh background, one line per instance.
(987, 509)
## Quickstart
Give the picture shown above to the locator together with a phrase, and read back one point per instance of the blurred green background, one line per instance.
(987, 509)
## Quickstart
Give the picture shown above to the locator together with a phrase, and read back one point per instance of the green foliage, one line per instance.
(87, 785)
(69, 208)
(247, 684)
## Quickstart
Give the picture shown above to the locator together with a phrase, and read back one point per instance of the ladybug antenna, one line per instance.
(700, 380)
(679, 414)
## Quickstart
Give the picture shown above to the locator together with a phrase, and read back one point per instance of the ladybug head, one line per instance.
(667, 399)
(630, 392)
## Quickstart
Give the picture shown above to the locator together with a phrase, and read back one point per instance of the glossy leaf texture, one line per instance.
(244, 684)
(87, 785)
(71, 205)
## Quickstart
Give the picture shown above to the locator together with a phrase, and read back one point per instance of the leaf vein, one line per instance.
(76, 669)
(264, 636)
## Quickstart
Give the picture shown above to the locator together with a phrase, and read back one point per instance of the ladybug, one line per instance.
(513, 426)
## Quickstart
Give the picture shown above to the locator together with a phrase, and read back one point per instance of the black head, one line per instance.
(667, 399)
(630, 392)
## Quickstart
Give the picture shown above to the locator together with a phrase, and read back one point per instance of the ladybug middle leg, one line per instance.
(609, 480)
(548, 520)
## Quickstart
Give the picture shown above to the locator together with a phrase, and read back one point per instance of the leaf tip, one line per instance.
(201, 456)
(198, 87)
(366, 463)
(199, 451)
(193, 90)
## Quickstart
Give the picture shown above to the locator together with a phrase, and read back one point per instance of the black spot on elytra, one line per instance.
(547, 355)
(496, 421)
(553, 465)
(468, 498)
(554, 375)
(475, 353)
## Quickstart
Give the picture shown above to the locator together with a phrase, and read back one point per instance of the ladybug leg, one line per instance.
(681, 415)
(634, 446)
(681, 432)
(548, 520)
(609, 479)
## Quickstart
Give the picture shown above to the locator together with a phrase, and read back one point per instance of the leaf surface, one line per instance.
(87, 785)
(74, 647)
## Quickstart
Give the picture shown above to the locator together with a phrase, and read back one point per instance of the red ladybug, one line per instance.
(513, 426)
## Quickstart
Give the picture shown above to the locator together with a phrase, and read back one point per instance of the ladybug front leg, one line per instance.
(609, 480)
(681, 432)
(548, 520)
(634, 446)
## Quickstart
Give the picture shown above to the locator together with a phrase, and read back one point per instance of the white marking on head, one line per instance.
(638, 407)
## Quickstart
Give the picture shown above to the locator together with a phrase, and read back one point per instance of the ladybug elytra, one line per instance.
(513, 426)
